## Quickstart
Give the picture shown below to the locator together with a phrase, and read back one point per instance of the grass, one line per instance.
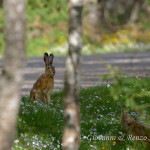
(40, 126)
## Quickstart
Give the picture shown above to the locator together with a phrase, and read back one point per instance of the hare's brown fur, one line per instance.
(135, 128)
(42, 88)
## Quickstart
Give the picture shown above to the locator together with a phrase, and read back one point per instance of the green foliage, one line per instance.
(43, 22)
(46, 15)
(52, 5)
(46, 27)
(40, 126)
(126, 90)
(49, 18)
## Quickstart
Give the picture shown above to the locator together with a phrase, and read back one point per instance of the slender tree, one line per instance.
(71, 85)
(12, 72)
(1, 3)
(134, 16)
(104, 15)
(146, 7)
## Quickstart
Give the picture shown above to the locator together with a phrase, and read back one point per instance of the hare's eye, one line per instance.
(129, 124)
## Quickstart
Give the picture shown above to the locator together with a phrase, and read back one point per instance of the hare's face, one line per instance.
(49, 70)
(127, 123)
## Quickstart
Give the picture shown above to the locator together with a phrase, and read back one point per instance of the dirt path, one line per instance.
(132, 64)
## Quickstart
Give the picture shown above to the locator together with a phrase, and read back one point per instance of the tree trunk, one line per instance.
(146, 7)
(104, 12)
(12, 72)
(104, 15)
(135, 11)
(115, 10)
(71, 85)
(1, 3)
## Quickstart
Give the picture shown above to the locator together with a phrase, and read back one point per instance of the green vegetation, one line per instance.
(40, 126)
(47, 30)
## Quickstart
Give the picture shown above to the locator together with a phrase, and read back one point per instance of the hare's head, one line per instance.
(127, 122)
(48, 63)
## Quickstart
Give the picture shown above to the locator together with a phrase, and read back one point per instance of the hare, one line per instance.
(43, 87)
(135, 128)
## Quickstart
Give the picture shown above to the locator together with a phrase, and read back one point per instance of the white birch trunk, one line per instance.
(12, 72)
(71, 89)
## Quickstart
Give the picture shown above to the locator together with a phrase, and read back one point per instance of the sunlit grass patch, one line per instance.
(40, 126)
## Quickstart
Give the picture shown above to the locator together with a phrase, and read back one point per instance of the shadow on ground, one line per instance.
(133, 64)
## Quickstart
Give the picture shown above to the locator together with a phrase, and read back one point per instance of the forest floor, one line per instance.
(133, 64)
(100, 106)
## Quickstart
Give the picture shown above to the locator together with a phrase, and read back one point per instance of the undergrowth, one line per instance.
(40, 126)
(47, 30)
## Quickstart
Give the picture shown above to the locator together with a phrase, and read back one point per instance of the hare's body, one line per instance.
(43, 87)
(135, 128)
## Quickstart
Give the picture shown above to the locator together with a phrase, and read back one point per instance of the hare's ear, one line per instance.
(51, 57)
(46, 58)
